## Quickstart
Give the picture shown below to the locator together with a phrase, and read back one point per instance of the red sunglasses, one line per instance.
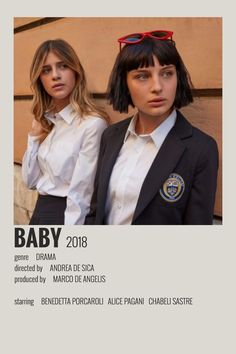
(135, 38)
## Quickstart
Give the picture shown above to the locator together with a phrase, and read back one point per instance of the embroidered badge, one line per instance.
(173, 188)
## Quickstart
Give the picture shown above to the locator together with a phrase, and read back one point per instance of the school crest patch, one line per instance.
(173, 188)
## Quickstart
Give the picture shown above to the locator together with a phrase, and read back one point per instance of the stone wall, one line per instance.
(24, 199)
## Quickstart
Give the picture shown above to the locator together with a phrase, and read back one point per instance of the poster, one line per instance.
(113, 276)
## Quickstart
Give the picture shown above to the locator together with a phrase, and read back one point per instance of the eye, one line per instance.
(63, 66)
(167, 73)
(142, 76)
(46, 70)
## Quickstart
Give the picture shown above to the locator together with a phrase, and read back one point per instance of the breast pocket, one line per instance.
(62, 159)
(173, 192)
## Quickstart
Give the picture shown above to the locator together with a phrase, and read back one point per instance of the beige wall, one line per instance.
(95, 40)
(199, 40)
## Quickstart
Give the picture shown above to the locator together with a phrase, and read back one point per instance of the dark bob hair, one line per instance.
(134, 56)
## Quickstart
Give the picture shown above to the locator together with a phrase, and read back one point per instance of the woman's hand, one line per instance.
(38, 131)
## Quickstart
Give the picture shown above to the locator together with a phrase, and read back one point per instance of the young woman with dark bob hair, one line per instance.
(61, 157)
(154, 168)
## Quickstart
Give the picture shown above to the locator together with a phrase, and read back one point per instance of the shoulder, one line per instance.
(197, 141)
(93, 122)
(205, 143)
(202, 137)
(120, 126)
(186, 130)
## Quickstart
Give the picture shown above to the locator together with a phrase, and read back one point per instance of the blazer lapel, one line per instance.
(114, 143)
(164, 163)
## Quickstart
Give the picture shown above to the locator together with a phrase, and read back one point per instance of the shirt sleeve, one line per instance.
(90, 218)
(30, 167)
(81, 186)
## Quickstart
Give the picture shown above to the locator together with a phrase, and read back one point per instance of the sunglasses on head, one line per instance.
(135, 38)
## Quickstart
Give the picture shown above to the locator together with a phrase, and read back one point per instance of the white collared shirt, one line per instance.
(64, 164)
(132, 165)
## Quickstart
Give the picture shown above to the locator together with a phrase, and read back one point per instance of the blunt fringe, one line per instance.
(134, 56)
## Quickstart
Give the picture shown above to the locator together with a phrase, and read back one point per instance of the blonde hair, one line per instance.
(80, 98)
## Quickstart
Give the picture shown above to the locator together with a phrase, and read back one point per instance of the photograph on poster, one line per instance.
(155, 168)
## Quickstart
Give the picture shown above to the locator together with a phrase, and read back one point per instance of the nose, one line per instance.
(156, 85)
(55, 73)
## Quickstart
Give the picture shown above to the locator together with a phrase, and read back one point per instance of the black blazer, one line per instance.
(180, 185)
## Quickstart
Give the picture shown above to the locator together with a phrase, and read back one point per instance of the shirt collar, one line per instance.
(131, 127)
(159, 134)
(67, 114)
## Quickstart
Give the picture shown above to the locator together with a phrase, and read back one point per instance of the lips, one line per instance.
(157, 100)
(57, 86)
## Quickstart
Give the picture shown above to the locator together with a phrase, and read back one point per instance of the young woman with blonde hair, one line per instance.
(61, 156)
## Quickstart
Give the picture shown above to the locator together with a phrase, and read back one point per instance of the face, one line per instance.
(153, 90)
(57, 79)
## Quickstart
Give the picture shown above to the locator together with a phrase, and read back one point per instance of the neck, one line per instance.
(59, 105)
(147, 124)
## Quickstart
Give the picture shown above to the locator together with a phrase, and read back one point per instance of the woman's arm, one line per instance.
(201, 202)
(30, 167)
(81, 186)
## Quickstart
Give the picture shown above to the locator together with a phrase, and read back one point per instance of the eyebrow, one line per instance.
(57, 63)
(145, 69)
(168, 67)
